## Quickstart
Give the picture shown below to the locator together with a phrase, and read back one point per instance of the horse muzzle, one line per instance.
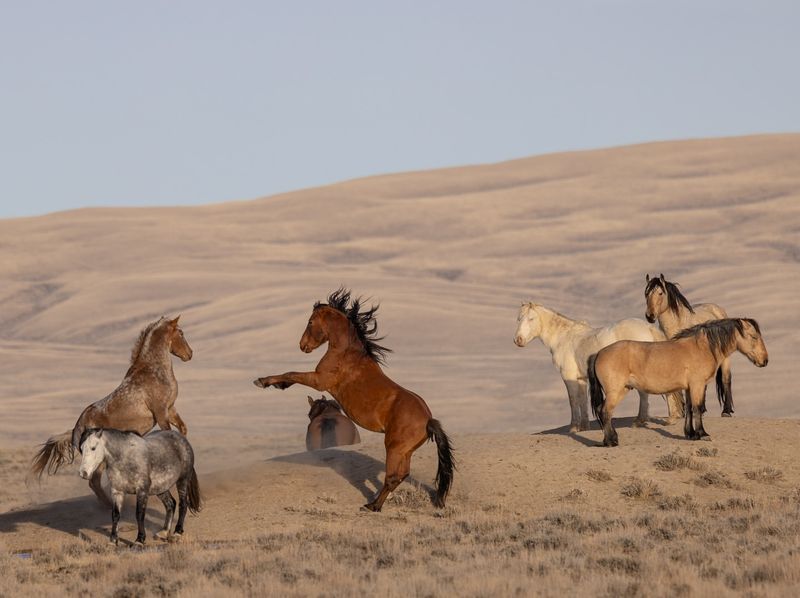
(650, 318)
(84, 474)
(519, 341)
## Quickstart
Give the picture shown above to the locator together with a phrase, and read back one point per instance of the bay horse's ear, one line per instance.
(310, 400)
(175, 321)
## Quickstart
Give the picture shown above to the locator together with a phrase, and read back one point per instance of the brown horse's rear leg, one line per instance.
(610, 437)
(398, 466)
(96, 484)
(177, 421)
(693, 428)
(642, 417)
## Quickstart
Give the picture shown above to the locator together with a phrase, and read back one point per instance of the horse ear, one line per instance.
(661, 276)
(647, 278)
(174, 322)
(100, 433)
(310, 400)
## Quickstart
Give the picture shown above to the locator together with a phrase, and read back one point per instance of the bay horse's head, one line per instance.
(750, 342)
(319, 406)
(178, 345)
(317, 329)
(529, 325)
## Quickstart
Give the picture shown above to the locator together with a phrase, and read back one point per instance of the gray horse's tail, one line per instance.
(595, 389)
(444, 473)
(193, 494)
(54, 453)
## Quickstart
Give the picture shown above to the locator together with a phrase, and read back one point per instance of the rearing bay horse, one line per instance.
(674, 313)
(145, 397)
(350, 371)
(686, 362)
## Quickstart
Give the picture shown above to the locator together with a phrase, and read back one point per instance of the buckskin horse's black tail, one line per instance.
(595, 389)
(444, 474)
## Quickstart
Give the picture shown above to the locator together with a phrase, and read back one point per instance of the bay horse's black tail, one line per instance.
(193, 495)
(595, 389)
(54, 453)
(444, 473)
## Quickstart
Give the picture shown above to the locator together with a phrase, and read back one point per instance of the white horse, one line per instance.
(571, 342)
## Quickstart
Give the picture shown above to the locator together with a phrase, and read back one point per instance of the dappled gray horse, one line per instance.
(143, 466)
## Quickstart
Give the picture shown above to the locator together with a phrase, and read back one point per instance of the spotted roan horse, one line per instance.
(350, 371)
(686, 362)
(144, 466)
(145, 397)
(329, 427)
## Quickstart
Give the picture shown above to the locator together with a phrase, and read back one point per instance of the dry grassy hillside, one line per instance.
(450, 254)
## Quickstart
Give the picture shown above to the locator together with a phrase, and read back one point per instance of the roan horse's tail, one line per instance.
(444, 474)
(54, 453)
(595, 389)
(193, 494)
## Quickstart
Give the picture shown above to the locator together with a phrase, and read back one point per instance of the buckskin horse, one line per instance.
(351, 372)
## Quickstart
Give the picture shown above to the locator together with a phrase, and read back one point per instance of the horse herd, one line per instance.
(681, 355)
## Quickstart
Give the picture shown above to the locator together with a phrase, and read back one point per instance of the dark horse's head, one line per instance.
(662, 295)
(320, 406)
(342, 315)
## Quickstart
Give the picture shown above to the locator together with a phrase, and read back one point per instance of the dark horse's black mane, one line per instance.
(320, 405)
(674, 296)
(363, 322)
(720, 333)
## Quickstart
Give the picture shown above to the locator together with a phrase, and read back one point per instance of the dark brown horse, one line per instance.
(329, 427)
(350, 371)
(145, 397)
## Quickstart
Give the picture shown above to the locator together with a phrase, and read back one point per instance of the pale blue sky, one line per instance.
(180, 102)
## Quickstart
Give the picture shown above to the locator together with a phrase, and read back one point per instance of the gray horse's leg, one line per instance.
(577, 394)
(96, 484)
(169, 505)
(141, 508)
(116, 509)
(183, 504)
(641, 418)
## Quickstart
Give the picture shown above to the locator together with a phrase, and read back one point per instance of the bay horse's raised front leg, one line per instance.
(177, 421)
(398, 466)
(314, 380)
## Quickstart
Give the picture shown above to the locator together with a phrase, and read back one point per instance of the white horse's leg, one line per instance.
(641, 419)
(584, 405)
(575, 397)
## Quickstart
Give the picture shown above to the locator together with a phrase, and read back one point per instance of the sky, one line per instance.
(187, 102)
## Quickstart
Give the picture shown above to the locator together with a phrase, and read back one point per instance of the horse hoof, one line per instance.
(637, 423)
(372, 507)
(162, 535)
(137, 545)
(258, 383)
(573, 429)
(726, 414)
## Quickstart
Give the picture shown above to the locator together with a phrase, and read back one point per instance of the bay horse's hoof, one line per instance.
(259, 382)
(371, 507)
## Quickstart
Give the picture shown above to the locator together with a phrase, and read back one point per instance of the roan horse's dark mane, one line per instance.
(363, 322)
(89, 431)
(674, 297)
(720, 333)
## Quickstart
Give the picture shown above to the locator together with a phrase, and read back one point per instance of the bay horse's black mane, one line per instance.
(720, 333)
(674, 297)
(363, 322)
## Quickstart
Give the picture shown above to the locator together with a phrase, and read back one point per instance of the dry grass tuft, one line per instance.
(706, 451)
(641, 489)
(675, 461)
(713, 478)
(766, 475)
(598, 475)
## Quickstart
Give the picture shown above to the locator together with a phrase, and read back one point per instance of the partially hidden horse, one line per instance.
(685, 363)
(674, 313)
(571, 342)
(144, 466)
(351, 372)
(329, 427)
(145, 397)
